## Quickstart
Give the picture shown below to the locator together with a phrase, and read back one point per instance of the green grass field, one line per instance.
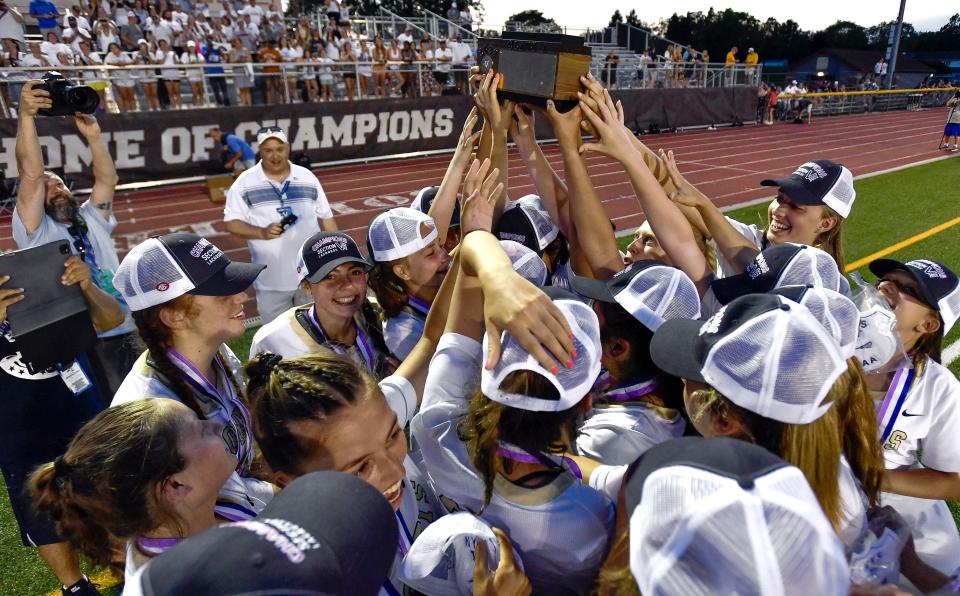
(889, 208)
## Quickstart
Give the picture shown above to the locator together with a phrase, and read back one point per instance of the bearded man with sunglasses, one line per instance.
(276, 205)
(47, 211)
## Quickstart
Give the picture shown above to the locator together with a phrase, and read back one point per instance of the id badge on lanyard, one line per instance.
(283, 210)
(76, 380)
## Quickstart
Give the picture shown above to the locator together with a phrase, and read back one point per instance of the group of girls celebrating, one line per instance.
(501, 362)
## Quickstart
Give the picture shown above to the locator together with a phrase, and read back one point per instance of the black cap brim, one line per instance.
(673, 349)
(728, 289)
(328, 267)
(592, 288)
(794, 189)
(232, 279)
(881, 267)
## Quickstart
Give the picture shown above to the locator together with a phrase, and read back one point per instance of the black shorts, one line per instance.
(334, 16)
(34, 431)
(441, 76)
(350, 75)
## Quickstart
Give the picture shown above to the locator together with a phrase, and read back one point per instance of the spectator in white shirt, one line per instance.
(56, 52)
(11, 23)
(444, 57)
(255, 12)
(406, 36)
(462, 55)
(74, 13)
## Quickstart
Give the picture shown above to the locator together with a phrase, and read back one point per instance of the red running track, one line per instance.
(725, 164)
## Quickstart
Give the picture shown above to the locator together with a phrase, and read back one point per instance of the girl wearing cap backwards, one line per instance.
(409, 266)
(147, 472)
(334, 272)
(502, 450)
(187, 299)
(918, 411)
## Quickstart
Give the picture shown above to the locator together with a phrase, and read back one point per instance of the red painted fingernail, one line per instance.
(573, 352)
(554, 369)
(569, 363)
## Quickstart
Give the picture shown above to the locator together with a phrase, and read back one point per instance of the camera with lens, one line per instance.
(67, 97)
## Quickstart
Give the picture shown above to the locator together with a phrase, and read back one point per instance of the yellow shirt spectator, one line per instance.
(752, 58)
(731, 57)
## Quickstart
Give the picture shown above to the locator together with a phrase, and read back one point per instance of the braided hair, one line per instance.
(310, 387)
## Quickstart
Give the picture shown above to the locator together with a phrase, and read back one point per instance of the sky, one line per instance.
(810, 14)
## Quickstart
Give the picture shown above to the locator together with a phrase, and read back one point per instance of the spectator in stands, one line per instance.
(248, 32)
(281, 189)
(444, 57)
(730, 63)
(394, 59)
(408, 70)
(273, 29)
(94, 78)
(466, 17)
(332, 8)
(751, 61)
(242, 73)
(47, 211)
(11, 24)
(771, 104)
(147, 76)
(216, 77)
(194, 75)
(35, 59)
(121, 78)
(308, 74)
(379, 67)
(453, 13)
(325, 75)
(425, 81)
(106, 33)
(880, 68)
(255, 11)
(272, 77)
(349, 69)
(610, 65)
(462, 57)
(74, 12)
(237, 154)
(365, 68)
(171, 74)
(130, 32)
(406, 36)
(57, 53)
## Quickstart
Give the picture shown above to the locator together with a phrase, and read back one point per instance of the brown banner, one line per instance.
(150, 146)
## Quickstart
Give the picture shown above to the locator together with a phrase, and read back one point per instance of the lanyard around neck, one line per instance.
(361, 342)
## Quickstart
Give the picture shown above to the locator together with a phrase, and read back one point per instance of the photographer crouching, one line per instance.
(47, 211)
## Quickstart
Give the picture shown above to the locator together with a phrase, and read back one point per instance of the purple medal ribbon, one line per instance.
(896, 396)
(419, 306)
(630, 392)
(362, 343)
(156, 546)
(201, 384)
(512, 452)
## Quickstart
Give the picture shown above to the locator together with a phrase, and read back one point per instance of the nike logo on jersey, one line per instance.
(906, 413)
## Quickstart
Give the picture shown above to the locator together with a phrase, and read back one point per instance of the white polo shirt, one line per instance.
(256, 200)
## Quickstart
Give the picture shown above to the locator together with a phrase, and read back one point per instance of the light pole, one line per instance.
(893, 48)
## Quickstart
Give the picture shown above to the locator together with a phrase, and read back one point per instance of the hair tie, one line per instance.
(60, 471)
(268, 361)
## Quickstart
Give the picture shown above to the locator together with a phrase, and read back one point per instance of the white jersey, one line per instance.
(752, 232)
(560, 530)
(924, 421)
(618, 433)
(402, 332)
(256, 200)
(420, 505)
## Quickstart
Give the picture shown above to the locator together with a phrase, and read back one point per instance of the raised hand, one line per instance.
(615, 140)
(486, 99)
(87, 125)
(33, 99)
(482, 191)
(468, 138)
(686, 193)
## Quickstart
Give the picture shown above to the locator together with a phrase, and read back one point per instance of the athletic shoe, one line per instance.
(945, 146)
(82, 588)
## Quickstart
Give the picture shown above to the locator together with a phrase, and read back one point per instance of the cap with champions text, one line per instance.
(271, 132)
(650, 290)
(325, 533)
(571, 384)
(785, 264)
(528, 222)
(725, 516)
(939, 285)
(819, 182)
(424, 200)
(162, 268)
(398, 233)
(763, 352)
(325, 251)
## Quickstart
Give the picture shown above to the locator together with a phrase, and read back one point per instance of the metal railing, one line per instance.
(440, 26)
(859, 102)
(251, 83)
(637, 74)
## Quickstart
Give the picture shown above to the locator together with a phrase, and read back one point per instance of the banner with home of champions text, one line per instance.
(155, 146)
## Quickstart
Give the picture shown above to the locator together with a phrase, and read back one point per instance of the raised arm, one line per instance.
(29, 158)
(550, 187)
(444, 204)
(594, 235)
(737, 249)
(104, 171)
(496, 127)
(668, 223)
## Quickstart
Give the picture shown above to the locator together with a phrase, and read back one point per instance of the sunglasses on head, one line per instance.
(267, 129)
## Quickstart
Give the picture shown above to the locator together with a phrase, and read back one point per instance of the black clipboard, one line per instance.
(51, 325)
